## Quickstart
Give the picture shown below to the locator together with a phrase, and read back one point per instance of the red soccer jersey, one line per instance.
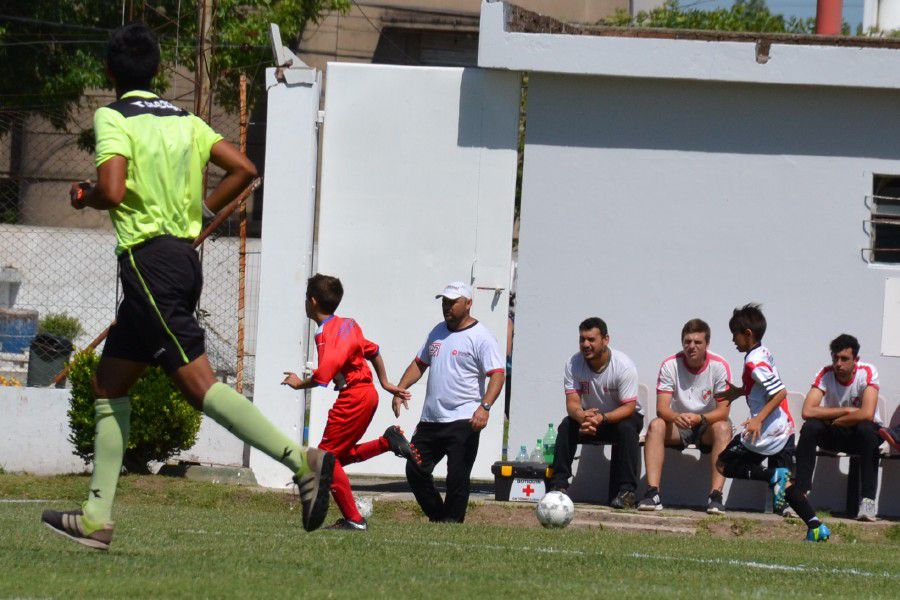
(343, 352)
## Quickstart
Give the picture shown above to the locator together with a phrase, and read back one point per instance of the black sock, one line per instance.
(799, 502)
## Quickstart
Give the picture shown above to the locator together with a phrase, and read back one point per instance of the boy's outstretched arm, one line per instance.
(293, 380)
(239, 172)
(378, 365)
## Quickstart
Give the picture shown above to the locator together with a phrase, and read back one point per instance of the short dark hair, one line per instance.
(327, 291)
(749, 317)
(696, 326)
(594, 323)
(132, 55)
(844, 341)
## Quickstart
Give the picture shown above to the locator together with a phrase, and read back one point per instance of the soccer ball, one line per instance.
(555, 510)
(364, 506)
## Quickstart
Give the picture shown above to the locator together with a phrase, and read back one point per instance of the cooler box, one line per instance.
(520, 481)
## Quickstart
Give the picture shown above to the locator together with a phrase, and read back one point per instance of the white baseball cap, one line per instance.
(455, 290)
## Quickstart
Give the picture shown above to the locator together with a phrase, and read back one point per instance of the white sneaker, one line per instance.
(867, 510)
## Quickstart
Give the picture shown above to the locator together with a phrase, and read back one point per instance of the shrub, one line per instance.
(62, 325)
(162, 422)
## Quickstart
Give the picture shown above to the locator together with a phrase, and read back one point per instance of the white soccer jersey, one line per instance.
(838, 395)
(693, 391)
(616, 385)
(761, 381)
(458, 363)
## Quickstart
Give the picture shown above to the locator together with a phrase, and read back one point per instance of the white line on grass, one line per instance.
(21, 501)
(708, 561)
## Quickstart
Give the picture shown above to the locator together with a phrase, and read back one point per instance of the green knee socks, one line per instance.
(113, 419)
(238, 415)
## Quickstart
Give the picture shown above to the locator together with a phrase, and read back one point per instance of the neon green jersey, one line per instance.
(167, 149)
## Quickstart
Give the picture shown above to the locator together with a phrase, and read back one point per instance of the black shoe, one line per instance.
(625, 499)
(714, 505)
(349, 525)
(315, 487)
(71, 524)
(651, 501)
(400, 446)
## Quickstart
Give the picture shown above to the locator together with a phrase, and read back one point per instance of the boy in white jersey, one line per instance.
(840, 414)
(601, 401)
(688, 412)
(769, 432)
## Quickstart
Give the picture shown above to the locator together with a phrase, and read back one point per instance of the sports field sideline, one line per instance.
(178, 538)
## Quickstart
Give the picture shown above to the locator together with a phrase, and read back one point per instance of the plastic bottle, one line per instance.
(523, 455)
(549, 444)
(537, 455)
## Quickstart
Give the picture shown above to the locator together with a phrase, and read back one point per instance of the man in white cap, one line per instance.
(466, 376)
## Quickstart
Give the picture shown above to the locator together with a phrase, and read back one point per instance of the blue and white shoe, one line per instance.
(778, 483)
(818, 534)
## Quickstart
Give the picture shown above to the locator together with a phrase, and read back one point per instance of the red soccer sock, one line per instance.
(343, 496)
(366, 450)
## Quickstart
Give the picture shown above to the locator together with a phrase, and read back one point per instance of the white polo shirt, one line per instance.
(761, 381)
(458, 364)
(607, 390)
(838, 395)
(693, 391)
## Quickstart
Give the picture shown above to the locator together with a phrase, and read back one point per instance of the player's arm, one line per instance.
(731, 393)
(108, 192)
(295, 381)
(865, 412)
(719, 413)
(413, 373)
(664, 407)
(625, 410)
(495, 384)
(753, 426)
(813, 409)
(386, 385)
(239, 172)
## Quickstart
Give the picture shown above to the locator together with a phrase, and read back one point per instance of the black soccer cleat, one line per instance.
(625, 499)
(315, 487)
(714, 504)
(400, 446)
(348, 525)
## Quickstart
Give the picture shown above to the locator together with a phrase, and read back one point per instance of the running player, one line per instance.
(343, 352)
(150, 157)
(769, 432)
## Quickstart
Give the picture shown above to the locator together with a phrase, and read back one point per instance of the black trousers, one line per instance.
(861, 439)
(459, 443)
(626, 451)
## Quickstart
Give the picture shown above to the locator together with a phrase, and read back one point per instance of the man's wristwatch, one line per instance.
(486, 406)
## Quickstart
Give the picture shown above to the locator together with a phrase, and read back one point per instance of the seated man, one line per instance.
(688, 412)
(840, 415)
(601, 399)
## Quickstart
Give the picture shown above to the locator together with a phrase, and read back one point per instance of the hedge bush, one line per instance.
(162, 422)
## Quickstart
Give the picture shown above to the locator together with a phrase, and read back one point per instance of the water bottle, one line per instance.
(523, 455)
(537, 455)
(549, 444)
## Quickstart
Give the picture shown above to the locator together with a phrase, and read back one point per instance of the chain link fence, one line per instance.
(58, 271)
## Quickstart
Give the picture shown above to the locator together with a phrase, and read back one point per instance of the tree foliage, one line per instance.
(51, 51)
(744, 15)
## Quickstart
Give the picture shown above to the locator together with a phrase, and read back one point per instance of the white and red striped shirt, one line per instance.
(838, 395)
(693, 391)
(761, 382)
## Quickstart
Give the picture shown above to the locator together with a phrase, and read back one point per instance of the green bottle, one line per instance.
(549, 444)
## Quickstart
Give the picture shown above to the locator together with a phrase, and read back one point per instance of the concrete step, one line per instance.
(639, 527)
(648, 518)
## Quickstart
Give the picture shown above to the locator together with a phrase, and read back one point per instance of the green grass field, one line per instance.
(176, 538)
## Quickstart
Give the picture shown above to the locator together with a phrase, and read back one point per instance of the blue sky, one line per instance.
(853, 9)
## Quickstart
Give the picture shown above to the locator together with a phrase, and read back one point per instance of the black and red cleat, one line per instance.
(400, 446)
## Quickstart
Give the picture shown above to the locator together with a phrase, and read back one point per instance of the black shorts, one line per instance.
(737, 452)
(155, 323)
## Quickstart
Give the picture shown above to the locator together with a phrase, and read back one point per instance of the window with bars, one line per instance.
(885, 230)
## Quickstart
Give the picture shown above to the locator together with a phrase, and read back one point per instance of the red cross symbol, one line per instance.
(528, 490)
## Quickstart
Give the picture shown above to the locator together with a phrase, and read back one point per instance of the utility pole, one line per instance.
(202, 87)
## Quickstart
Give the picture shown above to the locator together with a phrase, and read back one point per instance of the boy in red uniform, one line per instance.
(343, 352)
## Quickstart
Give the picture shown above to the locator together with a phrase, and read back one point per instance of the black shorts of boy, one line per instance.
(155, 324)
(694, 436)
(736, 455)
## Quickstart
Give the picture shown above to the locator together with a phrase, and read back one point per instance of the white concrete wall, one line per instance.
(418, 188)
(650, 202)
(34, 435)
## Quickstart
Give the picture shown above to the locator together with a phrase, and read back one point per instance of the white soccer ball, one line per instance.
(364, 506)
(555, 510)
